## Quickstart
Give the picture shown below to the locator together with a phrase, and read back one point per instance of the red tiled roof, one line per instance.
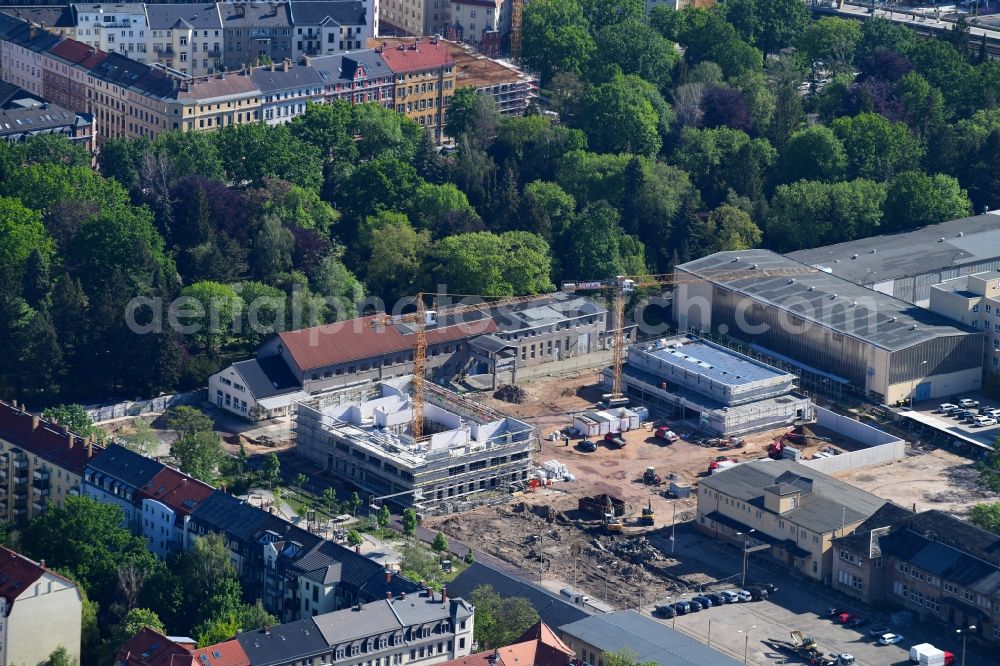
(151, 648)
(416, 56)
(229, 653)
(17, 573)
(177, 490)
(356, 339)
(539, 646)
(45, 439)
(78, 52)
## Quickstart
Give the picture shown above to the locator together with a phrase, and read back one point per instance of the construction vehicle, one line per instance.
(611, 521)
(615, 439)
(651, 478)
(623, 285)
(648, 517)
(805, 646)
(665, 433)
(776, 448)
(721, 462)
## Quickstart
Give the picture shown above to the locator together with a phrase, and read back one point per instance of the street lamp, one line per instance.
(963, 633)
(746, 641)
(746, 545)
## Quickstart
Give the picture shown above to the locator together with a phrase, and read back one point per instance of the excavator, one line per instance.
(775, 448)
(648, 517)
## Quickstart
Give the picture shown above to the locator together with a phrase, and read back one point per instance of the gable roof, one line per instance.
(280, 79)
(229, 653)
(45, 439)
(17, 573)
(889, 514)
(125, 465)
(267, 376)
(648, 639)
(416, 55)
(341, 12)
(177, 490)
(283, 643)
(221, 87)
(151, 648)
(343, 66)
(164, 17)
(78, 53)
(357, 339)
(553, 610)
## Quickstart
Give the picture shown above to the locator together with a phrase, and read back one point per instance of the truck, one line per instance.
(615, 439)
(574, 596)
(665, 433)
(926, 654)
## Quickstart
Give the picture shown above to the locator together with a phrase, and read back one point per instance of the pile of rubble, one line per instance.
(634, 550)
(511, 393)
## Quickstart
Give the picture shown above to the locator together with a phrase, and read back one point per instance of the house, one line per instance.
(41, 463)
(151, 648)
(168, 500)
(115, 476)
(323, 28)
(285, 90)
(40, 611)
(425, 81)
(185, 37)
(255, 33)
(23, 115)
(538, 646)
(356, 77)
(651, 642)
(788, 511)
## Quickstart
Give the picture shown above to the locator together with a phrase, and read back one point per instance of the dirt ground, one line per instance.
(934, 479)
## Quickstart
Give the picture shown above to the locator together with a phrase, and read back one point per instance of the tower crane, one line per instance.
(420, 319)
(623, 285)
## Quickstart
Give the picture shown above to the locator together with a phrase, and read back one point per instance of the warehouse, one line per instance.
(364, 437)
(905, 265)
(881, 346)
(718, 391)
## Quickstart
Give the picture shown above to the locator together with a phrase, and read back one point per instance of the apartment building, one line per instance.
(186, 37)
(57, 19)
(512, 89)
(129, 99)
(40, 611)
(41, 463)
(115, 476)
(785, 511)
(256, 33)
(286, 89)
(425, 81)
(167, 501)
(479, 21)
(973, 300)
(324, 28)
(114, 28)
(357, 77)
(22, 49)
(215, 102)
(414, 18)
(930, 563)
(23, 115)
(66, 77)
(364, 437)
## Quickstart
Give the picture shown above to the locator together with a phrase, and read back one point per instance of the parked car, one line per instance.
(986, 421)
(695, 606)
(878, 631)
(968, 403)
(770, 587)
(615, 438)
(984, 409)
(716, 599)
(666, 434)
(890, 639)
(682, 607)
(758, 593)
(844, 617)
(588, 446)
(954, 411)
(858, 622)
(833, 612)
(945, 408)
(729, 596)
(665, 610)
(744, 595)
(703, 601)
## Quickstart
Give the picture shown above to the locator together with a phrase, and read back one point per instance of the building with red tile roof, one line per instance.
(229, 653)
(425, 79)
(538, 646)
(168, 500)
(40, 611)
(41, 463)
(151, 648)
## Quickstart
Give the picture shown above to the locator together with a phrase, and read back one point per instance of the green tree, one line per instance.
(473, 114)
(638, 49)
(190, 153)
(397, 253)
(500, 621)
(723, 159)
(384, 516)
(876, 147)
(199, 455)
(603, 13)
(271, 253)
(556, 38)
(60, 657)
(810, 213)
(342, 291)
(770, 25)
(409, 521)
(440, 543)
(73, 417)
(384, 133)
(261, 310)
(880, 33)
(729, 228)
(832, 40)
(437, 207)
(916, 199)
(210, 310)
(271, 469)
(252, 152)
(814, 153)
(598, 247)
(329, 128)
(516, 262)
(618, 118)
(923, 103)
(986, 516)
(141, 439)
(329, 498)
(21, 233)
(625, 657)
(354, 538)
(188, 420)
(54, 149)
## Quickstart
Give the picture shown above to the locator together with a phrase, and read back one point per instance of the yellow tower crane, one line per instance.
(420, 319)
(623, 285)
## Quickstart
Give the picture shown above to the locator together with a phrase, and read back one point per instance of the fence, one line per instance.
(882, 447)
(99, 413)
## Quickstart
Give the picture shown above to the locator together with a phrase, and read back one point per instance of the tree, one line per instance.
(624, 657)
(923, 104)
(338, 286)
(210, 310)
(556, 38)
(199, 454)
(141, 439)
(409, 521)
(986, 516)
(354, 538)
(271, 253)
(721, 106)
(190, 153)
(637, 49)
(500, 621)
(879, 33)
(262, 310)
(877, 148)
(473, 114)
(384, 133)
(440, 543)
(271, 469)
(916, 199)
(384, 516)
(618, 119)
(814, 153)
(729, 228)
(188, 420)
(512, 263)
(599, 248)
(252, 152)
(328, 127)
(21, 233)
(60, 657)
(832, 40)
(329, 498)
(810, 213)
(724, 159)
(397, 253)
(73, 417)
(770, 25)
(442, 207)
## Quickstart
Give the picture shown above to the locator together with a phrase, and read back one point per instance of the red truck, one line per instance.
(615, 439)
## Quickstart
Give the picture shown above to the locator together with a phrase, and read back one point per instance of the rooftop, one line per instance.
(649, 640)
(341, 12)
(701, 358)
(17, 572)
(415, 55)
(278, 79)
(825, 299)
(78, 53)
(151, 648)
(267, 376)
(126, 466)
(345, 66)
(471, 69)
(45, 439)
(283, 643)
(219, 87)
(538, 646)
(166, 17)
(825, 505)
(229, 653)
(176, 490)
(255, 14)
(56, 16)
(932, 248)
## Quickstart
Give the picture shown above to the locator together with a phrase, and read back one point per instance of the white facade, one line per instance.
(43, 618)
(108, 491)
(115, 28)
(21, 66)
(477, 17)
(973, 300)
(158, 527)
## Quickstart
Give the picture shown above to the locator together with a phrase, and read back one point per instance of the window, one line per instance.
(975, 308)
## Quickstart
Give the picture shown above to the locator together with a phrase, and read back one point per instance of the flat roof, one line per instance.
(826, 299)
(932, 248)
(714, 362)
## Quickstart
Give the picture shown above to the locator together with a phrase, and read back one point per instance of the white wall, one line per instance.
(44, 617)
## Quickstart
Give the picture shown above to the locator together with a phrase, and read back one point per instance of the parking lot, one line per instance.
(928, 413)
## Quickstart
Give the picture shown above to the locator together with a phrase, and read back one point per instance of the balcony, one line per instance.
(20, 496)
(3, 472)
(167, 51)
(21, 480)
(37, 491)
(41, 475)
(20, 512)
(40, 505)
(21, 465)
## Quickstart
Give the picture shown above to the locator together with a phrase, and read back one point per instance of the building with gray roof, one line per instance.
(784, 509)
(285, 90)
(650, 641)
(323, 28)
(355, 77)
(253, 31)
(828, 327)
(906, 264)
(23, 115)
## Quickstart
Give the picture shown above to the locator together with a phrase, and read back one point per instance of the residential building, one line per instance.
(115, 476)
(973, 300)
(57, 19)
(538, 646)
(425, 81)
(23, 115)
(285, 90)
(256, 33)
(834, 331)
(186, 37)
(908, 263)
(129, 99)
(414, 18)
(787, 511)
(512, 89)
(717, 390)
(66, 74)
(214, 102)
(168, 500)
(114, 28)
(651, 642)
(40, 611)
(356, 77)
(932, 564)
(151, 648)
(41, 463)
(364, 437)
(21, 54)
(325, 28)
(480, 21)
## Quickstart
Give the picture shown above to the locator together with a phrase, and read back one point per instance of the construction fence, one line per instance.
(120, 410)
(882, 447)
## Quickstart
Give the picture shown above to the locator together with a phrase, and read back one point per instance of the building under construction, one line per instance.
(364, 436)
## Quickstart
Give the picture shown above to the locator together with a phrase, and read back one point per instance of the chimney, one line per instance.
(388, 595)
(402, 596)
(35, 421)
(388, 576)
(444, 595)
(272, 65)
(41, 563)
(286, 64)
(90, 450)
(72, 441)
(357, 549)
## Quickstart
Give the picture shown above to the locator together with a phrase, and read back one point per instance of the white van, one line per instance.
(574, 596)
